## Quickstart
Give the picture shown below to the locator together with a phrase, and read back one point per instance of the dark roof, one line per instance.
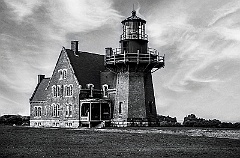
(134, 17)
(39, 93)
(86, 66)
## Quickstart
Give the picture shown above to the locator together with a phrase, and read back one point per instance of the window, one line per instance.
(58, 90)
(62, 74)
(85, 108)
(105, 89)
(69, 110)
(90, 86)
(38, 111)
(58, 110)
(120, 107)
(69, 90)
(54, 91)
(150, 103)
(52, 109)
(55, 108)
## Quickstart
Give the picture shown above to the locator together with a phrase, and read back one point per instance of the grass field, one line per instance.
(45, 142)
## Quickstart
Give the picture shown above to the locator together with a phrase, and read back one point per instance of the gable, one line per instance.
(82, 68)
(63, 64)
(39, 93)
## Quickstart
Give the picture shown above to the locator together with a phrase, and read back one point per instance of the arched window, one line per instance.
(120, 107)
(58, 90)
(71, 90)
(54, 110)
(54, 90)
(36, 111)
(69, 110)
(150, 103)
(90, 86)
(58, 110)
(60, 74)
(105, 89)
(65, 90)
(64, 73)
(39, 111)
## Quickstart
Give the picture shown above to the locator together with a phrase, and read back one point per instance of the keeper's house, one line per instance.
(89, 89)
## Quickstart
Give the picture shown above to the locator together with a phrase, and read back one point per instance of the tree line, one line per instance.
(164, 121)
(17, 120)
(192, 121)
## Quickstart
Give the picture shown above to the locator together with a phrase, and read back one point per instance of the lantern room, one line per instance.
(134, 28)
(133, 38)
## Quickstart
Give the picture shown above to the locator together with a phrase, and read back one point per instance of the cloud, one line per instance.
(32, 35)
(197, 48)
(202, 48)
(224, 12)
(22, 8)
(77, 16)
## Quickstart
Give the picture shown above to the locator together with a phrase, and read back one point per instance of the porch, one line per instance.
(94, 112)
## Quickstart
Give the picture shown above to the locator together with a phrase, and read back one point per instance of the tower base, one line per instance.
(135, 122)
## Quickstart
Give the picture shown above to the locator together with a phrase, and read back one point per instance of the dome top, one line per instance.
(134, 17)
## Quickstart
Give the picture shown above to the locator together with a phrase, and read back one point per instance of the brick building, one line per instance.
(88, 89)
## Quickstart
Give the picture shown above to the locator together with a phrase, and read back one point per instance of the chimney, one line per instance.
(74, 46)
(40, 78)
(109, 51)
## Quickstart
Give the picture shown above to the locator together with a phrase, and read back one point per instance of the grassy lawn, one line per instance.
(44, 142)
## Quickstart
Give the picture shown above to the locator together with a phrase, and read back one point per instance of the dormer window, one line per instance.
(105, 89)
(90, 86)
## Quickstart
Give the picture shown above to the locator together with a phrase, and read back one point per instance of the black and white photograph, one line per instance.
(120, 78)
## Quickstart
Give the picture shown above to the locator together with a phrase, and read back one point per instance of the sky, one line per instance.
(200, 40)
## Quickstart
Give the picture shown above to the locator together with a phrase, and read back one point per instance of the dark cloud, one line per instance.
(200, 39)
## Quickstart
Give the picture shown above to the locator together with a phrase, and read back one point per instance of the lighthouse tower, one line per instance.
(133, 63)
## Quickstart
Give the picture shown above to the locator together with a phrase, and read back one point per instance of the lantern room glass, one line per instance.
(134, 30)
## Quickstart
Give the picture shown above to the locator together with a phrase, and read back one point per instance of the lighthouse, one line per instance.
(133, 64)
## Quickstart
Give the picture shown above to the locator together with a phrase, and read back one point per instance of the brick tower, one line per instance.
(133, 63)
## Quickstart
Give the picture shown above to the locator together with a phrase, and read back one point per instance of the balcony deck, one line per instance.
(151, 57)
